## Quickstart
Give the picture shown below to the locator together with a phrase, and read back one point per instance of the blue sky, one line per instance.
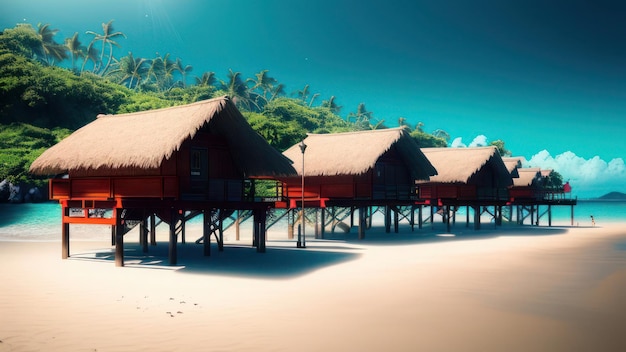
(547, 77)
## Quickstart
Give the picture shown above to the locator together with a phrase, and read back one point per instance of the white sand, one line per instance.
(511, 289)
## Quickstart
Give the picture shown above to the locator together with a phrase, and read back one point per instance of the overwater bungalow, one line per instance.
(356, 170)
(471, 177)
(532, 189)
(175, 163)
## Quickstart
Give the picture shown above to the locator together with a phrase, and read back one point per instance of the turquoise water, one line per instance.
(42, 221)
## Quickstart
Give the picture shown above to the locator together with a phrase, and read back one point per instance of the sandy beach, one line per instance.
(506, 289)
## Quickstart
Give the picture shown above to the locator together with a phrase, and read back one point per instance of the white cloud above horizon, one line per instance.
(589, 178)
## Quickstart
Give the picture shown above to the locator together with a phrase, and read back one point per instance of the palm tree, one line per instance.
(50, 50)
(107, 39)
(330, 104)
(91, 54)
(402, 122)
(131, 70)
(304, 93)
(262, 82)
(237, 90)
(279, 90)
(76, 49)
(183, 69)
(207, 79)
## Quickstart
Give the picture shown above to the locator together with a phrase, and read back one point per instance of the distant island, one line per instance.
(613, 196)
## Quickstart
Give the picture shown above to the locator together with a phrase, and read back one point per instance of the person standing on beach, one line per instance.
(593, 221)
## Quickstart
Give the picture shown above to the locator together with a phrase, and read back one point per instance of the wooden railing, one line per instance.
(102, 188)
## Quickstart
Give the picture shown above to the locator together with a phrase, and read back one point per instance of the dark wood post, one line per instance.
(65, 234)
(396, 219)
(172, 253)
(432, 216)
(206, 232)
(322, 222)
(119, 238)
(237, 225)
(362, 222)
(476, 217)
(260, 217)
(143, 233)
(387, 219)
(549, 215)
(419, 217)
(220, 230)
(291, 223)
(153, 229)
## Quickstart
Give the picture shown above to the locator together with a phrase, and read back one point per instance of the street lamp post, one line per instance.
(302, 244)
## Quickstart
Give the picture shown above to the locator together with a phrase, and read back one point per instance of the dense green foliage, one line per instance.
(48, 89)
(20, 145)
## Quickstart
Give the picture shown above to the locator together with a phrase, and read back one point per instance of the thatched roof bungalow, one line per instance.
(528, 186)
(201, 151)
(512, 164)
(376, 165)
(465, 175)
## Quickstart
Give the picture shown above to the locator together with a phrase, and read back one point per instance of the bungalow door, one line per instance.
(199, 169)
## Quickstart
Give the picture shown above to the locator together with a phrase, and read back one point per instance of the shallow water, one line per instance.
(42, 221)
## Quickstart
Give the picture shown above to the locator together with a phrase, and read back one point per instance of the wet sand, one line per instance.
(506, 289)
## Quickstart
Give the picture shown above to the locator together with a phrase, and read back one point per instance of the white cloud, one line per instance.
(457, 143)
(478, 141)
(589, 177)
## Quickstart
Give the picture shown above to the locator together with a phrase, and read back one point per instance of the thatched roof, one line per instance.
(142, 140)
(354, 153)
(527, 176)
(459, 165)
(512, 164)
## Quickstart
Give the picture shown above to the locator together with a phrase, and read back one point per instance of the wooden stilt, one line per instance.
(220, 231)
(291, 223)
(432, 216)
(143, 232)
(119, 238)
(172, 253)
(549, 215)
(65, 235)
(322, 223)
(362, 222)
(153, 229)
(420, 221)
(396, 219)
(206, 232)
(183, 222)
(467, 217)
(387, 219)
(260, 219)
(476, 217)
(446, 215)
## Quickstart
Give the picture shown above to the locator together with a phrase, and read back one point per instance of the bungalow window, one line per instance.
(198, 162)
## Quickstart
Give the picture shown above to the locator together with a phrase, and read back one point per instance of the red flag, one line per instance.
(566, 187)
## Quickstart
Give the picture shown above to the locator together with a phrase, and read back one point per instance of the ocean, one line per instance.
(42, 221)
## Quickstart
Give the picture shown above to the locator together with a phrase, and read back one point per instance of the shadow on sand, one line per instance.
(283, 260)
(377, 235)
(278, 262)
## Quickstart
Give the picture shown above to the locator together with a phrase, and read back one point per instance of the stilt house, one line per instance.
(357, 167)
(466, 175)
(355, 170)
(195, 158)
